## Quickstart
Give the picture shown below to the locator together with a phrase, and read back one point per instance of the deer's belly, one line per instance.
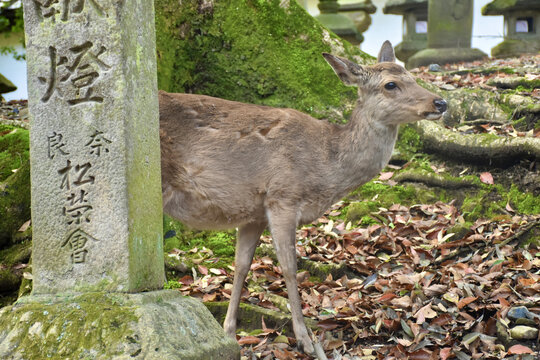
(212, 212)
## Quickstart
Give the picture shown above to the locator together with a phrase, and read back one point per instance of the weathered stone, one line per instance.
(6, 85)
(154, 325)
(415, 16)
(14, 202)
(231, 60)
(522, 332)
(449, 34)
(502, 333)
(521, 26)
(96, 193)
(519, 312)
(359, 12)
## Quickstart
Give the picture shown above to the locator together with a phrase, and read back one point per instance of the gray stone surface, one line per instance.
(449, 34)
(400, 7)
(522, 332)
(148, 326)
(96, 193)
(450, 23)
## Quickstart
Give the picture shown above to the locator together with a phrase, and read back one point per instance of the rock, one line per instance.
(14, 202)
(519, 312)
(226, 65)
(522, 332)
(502, 333)
(6, 85)
(153, 325)
(434, 67)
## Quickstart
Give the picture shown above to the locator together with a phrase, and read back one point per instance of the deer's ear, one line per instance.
(349, 72)
(387, 53)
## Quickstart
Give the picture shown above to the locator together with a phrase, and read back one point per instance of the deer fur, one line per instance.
(227, 164)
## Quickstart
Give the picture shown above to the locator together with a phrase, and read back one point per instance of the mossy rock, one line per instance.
(14, 202)
(250, 317)
(515, 47)
(105, 326)
(14, 149)
(261, 52)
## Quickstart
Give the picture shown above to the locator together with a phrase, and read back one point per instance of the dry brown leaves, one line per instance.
(414, 290)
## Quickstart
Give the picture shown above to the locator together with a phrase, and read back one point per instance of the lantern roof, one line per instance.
(399, 7)
(501, 7)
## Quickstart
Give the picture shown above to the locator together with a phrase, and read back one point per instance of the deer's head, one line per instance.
(387, 92)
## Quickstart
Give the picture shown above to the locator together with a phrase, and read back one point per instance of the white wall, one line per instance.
(383, 27)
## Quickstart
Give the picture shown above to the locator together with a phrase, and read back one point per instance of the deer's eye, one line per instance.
(390, 86)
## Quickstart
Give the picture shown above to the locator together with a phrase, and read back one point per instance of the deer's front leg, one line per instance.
(246, 243)
(283, 229)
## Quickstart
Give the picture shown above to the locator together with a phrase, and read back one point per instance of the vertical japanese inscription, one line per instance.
(77, 182)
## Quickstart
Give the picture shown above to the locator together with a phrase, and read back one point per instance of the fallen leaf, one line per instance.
(486, 178)
(465, 301)
(248, 340)
(25, 226)
(519, 349)
(386, 176)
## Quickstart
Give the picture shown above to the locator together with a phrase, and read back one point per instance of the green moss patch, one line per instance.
(67, 330)
(262, 52)
(215, 248)
(14, 145)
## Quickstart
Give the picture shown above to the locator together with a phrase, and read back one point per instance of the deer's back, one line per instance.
(224, 162)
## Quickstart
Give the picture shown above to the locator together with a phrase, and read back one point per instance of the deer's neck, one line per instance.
(364, 148)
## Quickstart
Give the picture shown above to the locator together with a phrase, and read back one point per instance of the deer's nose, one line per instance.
(441, 105)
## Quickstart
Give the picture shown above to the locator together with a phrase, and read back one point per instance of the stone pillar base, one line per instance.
(112, 326)
(444, 56)
(515, 48)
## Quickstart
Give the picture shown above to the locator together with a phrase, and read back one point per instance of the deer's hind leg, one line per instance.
(246, 243)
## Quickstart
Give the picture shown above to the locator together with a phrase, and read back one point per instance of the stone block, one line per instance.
(95, 155)
(102, 326)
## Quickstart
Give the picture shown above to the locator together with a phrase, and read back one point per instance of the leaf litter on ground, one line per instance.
(412, 290)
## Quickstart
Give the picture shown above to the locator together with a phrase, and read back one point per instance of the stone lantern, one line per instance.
(449, 34)
(415, 25)
(359, 11)
(340, 24)
(521, 26)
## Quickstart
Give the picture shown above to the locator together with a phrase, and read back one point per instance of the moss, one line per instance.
(221, 243)
(73, 330)
(14, 145)
(252, 51)
(524, 203)
(360, 209)
(14, 202)
(409, 141)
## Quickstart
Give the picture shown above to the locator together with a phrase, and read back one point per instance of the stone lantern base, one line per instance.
(444, 56)
(157, 325)
(515, 47)
(408, 48)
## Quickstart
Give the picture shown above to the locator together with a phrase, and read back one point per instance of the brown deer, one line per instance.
(227, 164)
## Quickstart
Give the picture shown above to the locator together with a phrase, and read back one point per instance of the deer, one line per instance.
(227, 164)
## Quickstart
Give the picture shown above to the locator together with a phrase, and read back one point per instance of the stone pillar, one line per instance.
(96, 196)
(415, 15)
(95, 165)
(340, 24)
(449, 34)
